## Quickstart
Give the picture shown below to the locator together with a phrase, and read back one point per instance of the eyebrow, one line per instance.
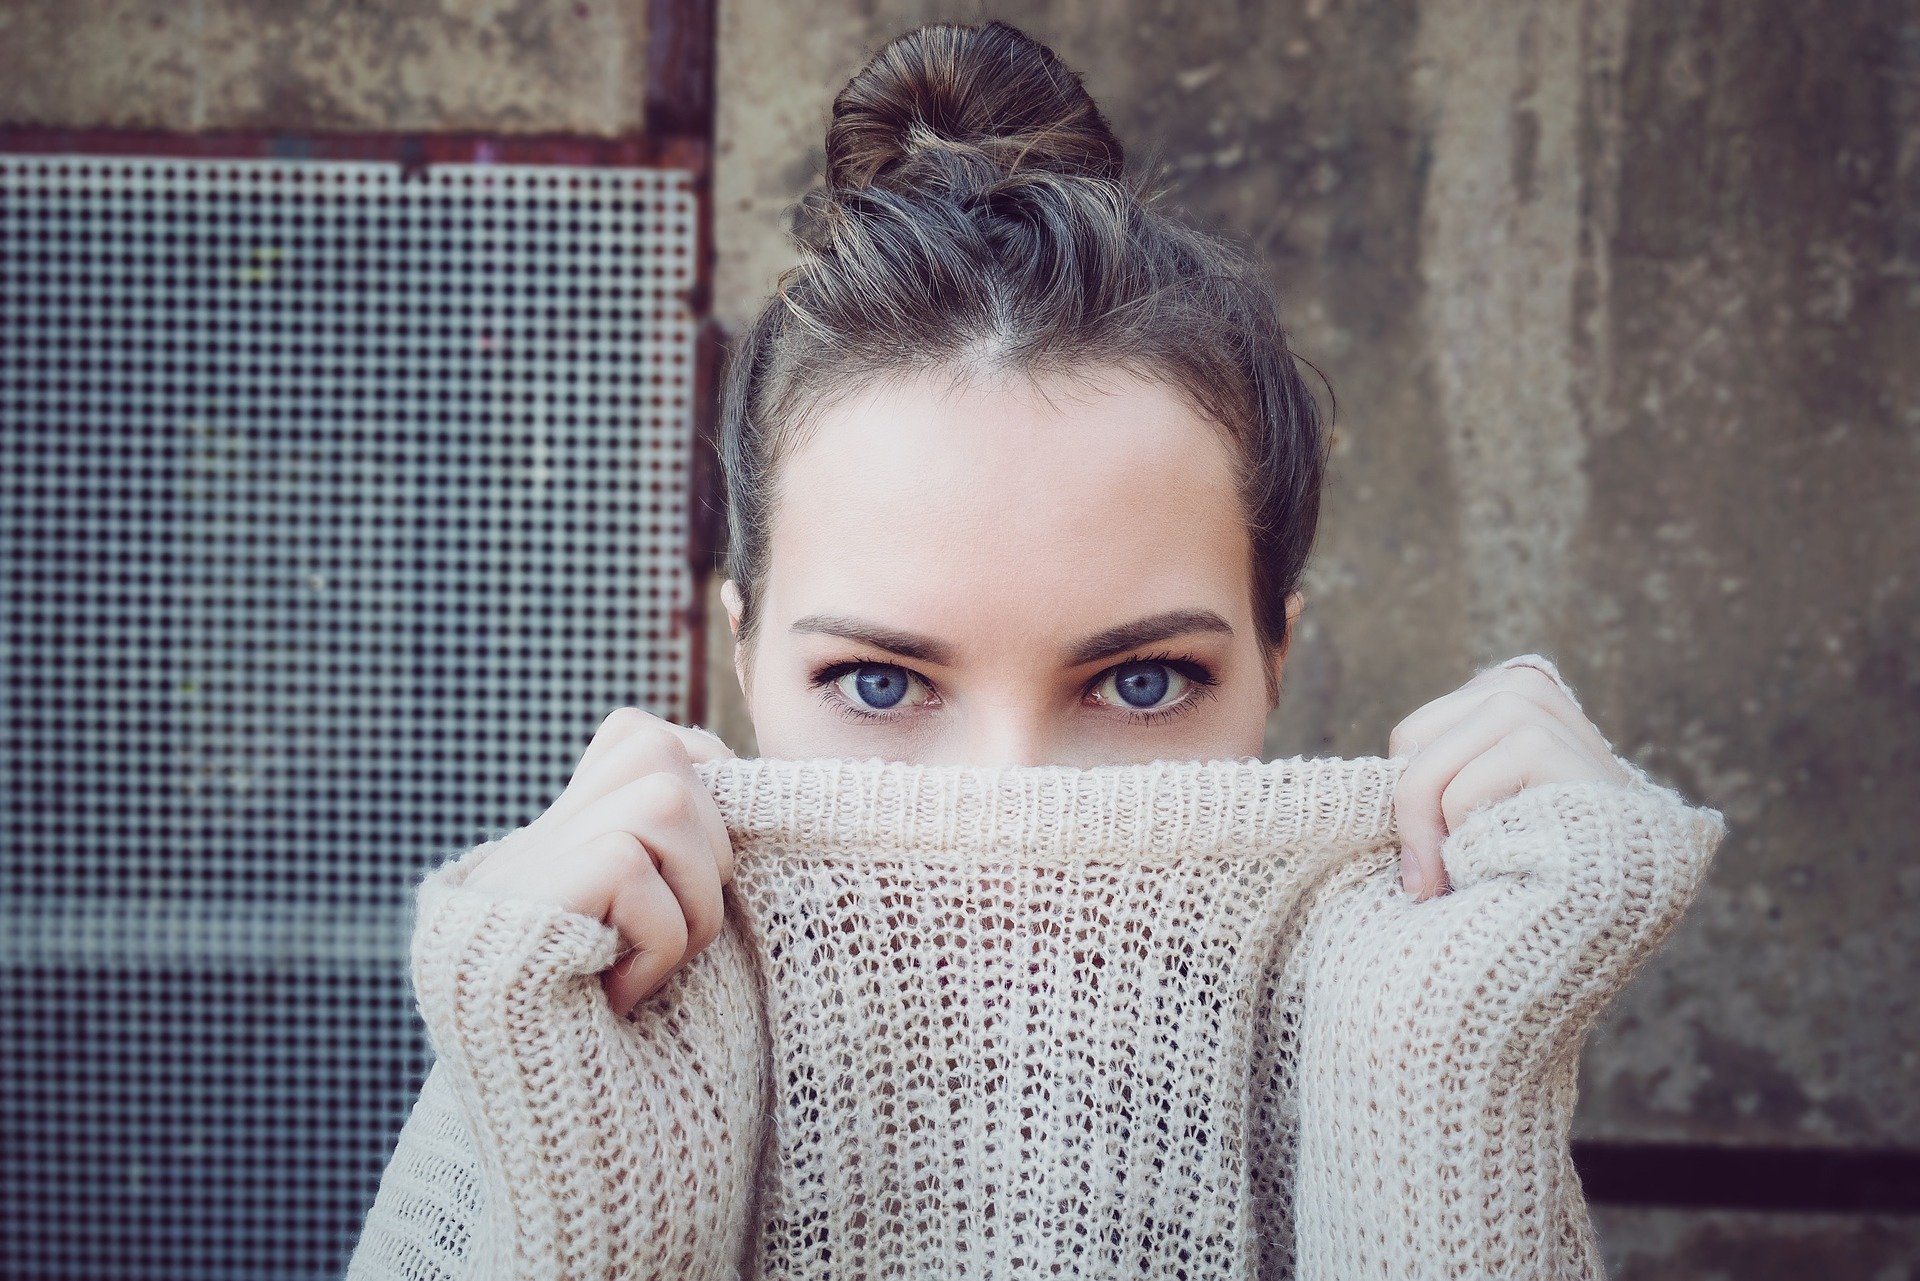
(1102, 644)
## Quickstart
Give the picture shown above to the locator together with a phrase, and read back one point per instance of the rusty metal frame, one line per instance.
(677, 133)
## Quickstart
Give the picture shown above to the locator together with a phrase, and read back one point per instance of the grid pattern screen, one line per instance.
(341, 502)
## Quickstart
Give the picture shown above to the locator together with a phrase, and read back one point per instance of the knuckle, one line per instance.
(1512, 702)
(1526, 674)
(711, 736)
(622, 721)
(651, 749)
(670, 747)
(1535, 737)
(663, 799)
(1536, 684)
(626, 849)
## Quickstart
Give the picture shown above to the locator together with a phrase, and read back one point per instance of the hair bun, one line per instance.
(990, 90)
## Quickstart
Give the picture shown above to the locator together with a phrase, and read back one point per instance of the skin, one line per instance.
(961, 539)
(979, 538)
(1001, 526)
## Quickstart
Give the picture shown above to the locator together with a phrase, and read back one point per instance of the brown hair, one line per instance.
(977, 215)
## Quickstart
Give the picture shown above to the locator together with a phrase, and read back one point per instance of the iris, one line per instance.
(1142, 684)
(881, 686)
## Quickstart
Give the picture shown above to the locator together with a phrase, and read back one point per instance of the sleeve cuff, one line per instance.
(1613, 844)
(481, 961)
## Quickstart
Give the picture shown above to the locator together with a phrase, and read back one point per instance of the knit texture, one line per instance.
(1173, 1020)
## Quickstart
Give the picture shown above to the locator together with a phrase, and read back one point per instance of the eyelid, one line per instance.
(833, 671)
(1186, 664)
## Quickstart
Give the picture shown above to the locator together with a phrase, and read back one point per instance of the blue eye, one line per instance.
(1142, 684)
(866, 691)
(881, 691)
(880, 686)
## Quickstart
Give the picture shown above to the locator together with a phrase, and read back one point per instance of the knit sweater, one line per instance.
(1173, 1020)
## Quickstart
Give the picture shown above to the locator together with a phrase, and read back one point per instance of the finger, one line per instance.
(1417, 795)
(622, 723)
(1432, 719)
(702, 744)
(1435, 718)
(680, 825)
(615, 727)
(1530, 756)
(1426, 722)
(648, 748)
(653, 933)
(1548, 693)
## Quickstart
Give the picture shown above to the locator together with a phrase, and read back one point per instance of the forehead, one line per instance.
(940, 502)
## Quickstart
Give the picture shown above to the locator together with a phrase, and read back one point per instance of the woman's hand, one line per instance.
(1509, 728)
(636, 841)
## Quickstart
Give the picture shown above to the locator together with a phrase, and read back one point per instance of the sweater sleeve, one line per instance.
(553, 1138)
(1439, 1042)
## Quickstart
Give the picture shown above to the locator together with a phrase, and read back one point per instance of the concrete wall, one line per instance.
(1621, 302)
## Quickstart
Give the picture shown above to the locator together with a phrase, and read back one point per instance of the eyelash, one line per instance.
(1194, 670)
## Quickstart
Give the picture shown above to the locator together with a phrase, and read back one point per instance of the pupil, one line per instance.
(880, 686)
(1148, 680)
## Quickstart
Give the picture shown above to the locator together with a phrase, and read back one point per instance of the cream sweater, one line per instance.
(1171, 1020)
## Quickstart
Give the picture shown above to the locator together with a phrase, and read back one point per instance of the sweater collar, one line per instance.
(831, 806)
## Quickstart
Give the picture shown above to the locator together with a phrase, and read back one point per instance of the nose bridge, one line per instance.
(1006, 733)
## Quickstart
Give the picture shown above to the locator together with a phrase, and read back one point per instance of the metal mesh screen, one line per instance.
(340, 504)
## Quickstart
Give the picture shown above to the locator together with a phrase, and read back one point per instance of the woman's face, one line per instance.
(1000, 572)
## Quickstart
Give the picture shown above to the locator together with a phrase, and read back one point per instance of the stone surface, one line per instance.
(514, 66)
(1617, 302)
(1672, 1245)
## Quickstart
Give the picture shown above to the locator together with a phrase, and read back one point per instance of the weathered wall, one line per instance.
(1621, 302)
(512, 65)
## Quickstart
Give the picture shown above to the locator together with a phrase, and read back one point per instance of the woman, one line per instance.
(1021, 470)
